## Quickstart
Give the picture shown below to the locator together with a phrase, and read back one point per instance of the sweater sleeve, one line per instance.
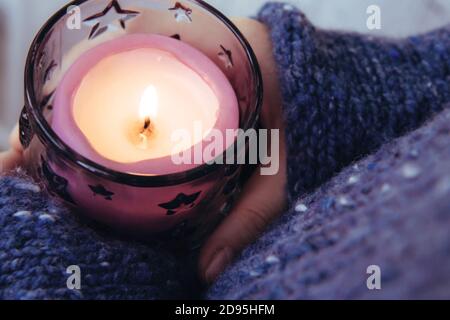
(347, 94)
(389, 210)
(40, 239)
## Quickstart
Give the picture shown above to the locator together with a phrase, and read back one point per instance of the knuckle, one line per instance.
(257, 220)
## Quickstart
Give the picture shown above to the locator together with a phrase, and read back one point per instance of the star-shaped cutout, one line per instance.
(56, 183)
(100, 190)
(180, 204)
(41, 60)
(25, 131)
(99, 27)
(46, 99)
(182, 13)
(49, 71)
(226, 56)
(231, 185)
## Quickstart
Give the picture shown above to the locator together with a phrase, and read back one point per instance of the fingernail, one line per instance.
(219, 262)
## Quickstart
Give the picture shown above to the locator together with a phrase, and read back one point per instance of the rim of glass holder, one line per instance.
(49, 138)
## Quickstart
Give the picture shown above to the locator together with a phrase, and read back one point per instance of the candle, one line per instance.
(115, 91)
(120, 103)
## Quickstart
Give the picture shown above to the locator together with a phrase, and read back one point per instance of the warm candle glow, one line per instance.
(148, 109)
(122, 102)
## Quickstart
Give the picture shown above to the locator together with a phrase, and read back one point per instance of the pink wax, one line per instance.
(120, 103)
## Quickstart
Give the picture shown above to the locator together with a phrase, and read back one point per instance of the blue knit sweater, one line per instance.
(359, 194)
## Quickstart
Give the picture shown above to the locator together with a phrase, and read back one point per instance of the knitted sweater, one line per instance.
(345, 96)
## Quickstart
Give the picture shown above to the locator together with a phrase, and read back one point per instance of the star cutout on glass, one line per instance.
(25, 132)
(231, 185)
(56, 183)
(226, 56)
(100, 190)
(181, 203)
(42, 60)
(226, 208)
(182, 13)
(99, 26)
(44, 55)
(46, 99)
(48, 72)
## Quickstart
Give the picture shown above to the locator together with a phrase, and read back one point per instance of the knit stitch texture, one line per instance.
(347, 94)
(40, 239)
(390, 210)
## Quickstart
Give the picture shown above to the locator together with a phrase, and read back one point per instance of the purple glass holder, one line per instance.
(184, 206)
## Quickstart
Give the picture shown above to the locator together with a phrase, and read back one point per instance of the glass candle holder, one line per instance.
(186, 205)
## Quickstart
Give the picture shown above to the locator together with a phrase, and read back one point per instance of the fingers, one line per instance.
(259, 38)
(13, 157)
(10, 159)
(262, 201)
(14, 139)
(264, 197)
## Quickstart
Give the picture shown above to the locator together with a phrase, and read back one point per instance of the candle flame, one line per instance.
(148, 109)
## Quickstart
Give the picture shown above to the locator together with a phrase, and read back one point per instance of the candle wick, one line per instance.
(145, 133)
(146, 124)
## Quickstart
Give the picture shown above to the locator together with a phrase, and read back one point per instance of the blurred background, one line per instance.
(21, 19)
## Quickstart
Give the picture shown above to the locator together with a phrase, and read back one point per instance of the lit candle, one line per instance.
(120, 103)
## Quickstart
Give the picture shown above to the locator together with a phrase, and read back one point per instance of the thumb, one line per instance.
(9, 160)
(263, 199)
(14, 156)
(14, 140)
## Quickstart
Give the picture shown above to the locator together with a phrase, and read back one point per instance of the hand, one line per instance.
(263, 198)
(13, 157)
